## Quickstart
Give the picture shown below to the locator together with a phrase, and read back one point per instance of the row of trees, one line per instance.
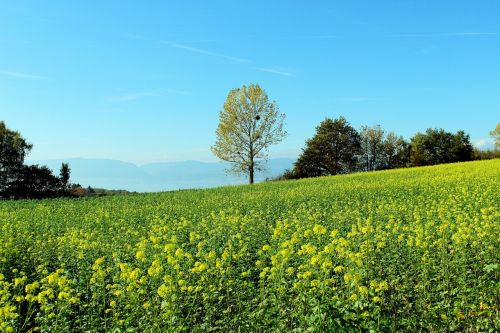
(249, 123)
(338, 148)
(18, 180)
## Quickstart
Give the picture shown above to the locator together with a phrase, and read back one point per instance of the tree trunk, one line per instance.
(250, 172)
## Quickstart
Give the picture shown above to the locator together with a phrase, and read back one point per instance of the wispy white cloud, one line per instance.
(355, 99)
(205, 52)
(471, 34)
(143, 94)
(274, 71)
(22, 76)
(192, 49)
(13, 40)
(206, 41)
(413, 35)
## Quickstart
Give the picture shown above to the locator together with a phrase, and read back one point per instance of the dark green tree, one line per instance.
(34, 182)
(437, 146)
(64, 175)
(22, 181)
(13, 150)
(334, 149)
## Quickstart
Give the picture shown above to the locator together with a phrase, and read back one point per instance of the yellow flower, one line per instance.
(338, 269)
(169, 248)
(315, 260)
(163, 291)
(334, 233)
(363, 290)
(199, 267)
(315, 283)
(266, 247)
(140, 255)
(319, 229)
(155, 268)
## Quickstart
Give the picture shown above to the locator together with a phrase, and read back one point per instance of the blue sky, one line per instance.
(144, 81)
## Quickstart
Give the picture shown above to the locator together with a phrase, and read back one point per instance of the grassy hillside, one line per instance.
(401, 250)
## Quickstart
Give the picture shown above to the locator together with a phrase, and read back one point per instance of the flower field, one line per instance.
(393, 251)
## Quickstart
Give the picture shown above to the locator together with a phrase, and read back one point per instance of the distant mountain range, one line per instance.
(154, 177)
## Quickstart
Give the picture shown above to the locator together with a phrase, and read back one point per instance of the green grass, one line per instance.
(402, 250)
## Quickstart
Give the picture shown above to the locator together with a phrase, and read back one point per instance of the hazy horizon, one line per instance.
(160, 176)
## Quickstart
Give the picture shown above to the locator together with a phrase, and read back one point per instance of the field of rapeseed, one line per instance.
(401, 250)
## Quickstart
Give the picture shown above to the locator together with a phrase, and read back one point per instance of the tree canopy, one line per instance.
(21, 181)
(372, 142)
(334, 149)
(437, 146)
(338, 148)
(13, 149)
(248, 124)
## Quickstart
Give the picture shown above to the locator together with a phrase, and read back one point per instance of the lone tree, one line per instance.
(248, 124)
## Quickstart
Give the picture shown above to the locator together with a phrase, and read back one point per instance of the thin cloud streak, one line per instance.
(205, 52)
(207, 41)
(22, 76)
(217, 55)
(139, 95)
(274, 71)
(355, 99)
(448, 34)
(13, 40)
(472, 34)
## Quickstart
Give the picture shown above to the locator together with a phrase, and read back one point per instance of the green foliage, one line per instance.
(485, 154)
(22, 181)
(334, 149)
(13, 150)
(77, 191)
(437, 146)
(64, 176)
(495, 134)
(395, 152)
(35, 182)
(408, 250)
(381, 150)
(248, 124)
(372, 147)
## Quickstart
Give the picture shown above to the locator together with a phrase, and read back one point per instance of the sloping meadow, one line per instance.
(402, 250)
